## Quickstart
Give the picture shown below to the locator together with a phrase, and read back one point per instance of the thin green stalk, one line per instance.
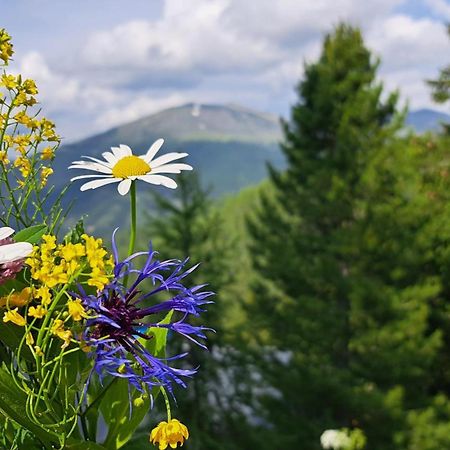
(166, 400)
(133, 218)
(132, 224)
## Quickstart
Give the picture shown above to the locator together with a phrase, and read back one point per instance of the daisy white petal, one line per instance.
(171, 168)
(13, 252)
(153, 150)
(110, 158)
(91, 166)
(81, 177)
(99, 161)
(98, 183)
(168, 157)
(159, 180)
(6, 232)
(116, 152)
(126, 151)
(124, 186)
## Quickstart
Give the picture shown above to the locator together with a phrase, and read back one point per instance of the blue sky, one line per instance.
(106, 62)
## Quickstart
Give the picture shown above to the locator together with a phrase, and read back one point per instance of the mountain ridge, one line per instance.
(228, 145)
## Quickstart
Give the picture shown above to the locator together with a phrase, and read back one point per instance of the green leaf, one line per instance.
(31, 234)
(157, 345)
(11, 335)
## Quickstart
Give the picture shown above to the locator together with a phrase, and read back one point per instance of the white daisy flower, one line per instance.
(10, 252)
(121, 166)
(334, 439)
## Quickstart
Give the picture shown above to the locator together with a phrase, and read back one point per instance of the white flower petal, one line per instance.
(13, 252)
(6, 232)
(99, 161)
(171, 168)
(168, 157)
(126, 151)
(99, 183)
(81, 177)
(90, 166)
(110, 158)
(124, 186)
(159, 180)
(153, 150)
(116, 152)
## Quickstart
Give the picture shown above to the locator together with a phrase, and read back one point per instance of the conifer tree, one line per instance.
(303, 245)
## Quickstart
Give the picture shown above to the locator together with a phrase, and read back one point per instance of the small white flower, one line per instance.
(15, 251)
(334, 439)
(121, 166)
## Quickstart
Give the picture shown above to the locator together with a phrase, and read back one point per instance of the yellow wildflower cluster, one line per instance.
(169, 433)
(28, 132)
(6, 48)
(52, 264)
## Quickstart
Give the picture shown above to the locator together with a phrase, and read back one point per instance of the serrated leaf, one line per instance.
(31, 234)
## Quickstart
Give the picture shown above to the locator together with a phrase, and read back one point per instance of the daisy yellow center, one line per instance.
(130, 166)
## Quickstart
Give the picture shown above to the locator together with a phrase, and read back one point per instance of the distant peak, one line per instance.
(196, 108)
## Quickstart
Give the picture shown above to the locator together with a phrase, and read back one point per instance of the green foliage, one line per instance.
(441, 86)
(347, 333)
(430, 427)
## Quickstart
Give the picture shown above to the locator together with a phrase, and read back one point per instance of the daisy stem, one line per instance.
(133, 218)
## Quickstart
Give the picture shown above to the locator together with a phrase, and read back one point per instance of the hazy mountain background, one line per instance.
(228, 145)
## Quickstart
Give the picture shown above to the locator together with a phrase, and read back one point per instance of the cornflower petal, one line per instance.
(117, 324)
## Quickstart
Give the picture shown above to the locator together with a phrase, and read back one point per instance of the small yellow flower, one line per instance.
(4, 157)
(29, 86)
(38, 351)
(172, 433)
(44, 294)
(59, 330)
(72, 251)
(6, 49)
(29, 339)
(45, 173)
(17, 298)
(39, 312)
(8, 81)
(47, 153)
(14, 317)
(76, 309)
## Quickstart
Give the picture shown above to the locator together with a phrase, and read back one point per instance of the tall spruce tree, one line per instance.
(303, 246)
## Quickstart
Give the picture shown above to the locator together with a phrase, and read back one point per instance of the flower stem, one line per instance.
(133, 218)
(166, 399)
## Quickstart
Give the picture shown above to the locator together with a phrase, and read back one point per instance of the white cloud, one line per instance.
(249, 52)
(136, 109)
(440, 7)
(190, 38)
(406, 42)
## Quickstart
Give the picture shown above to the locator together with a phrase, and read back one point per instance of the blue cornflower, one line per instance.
(119, 320)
